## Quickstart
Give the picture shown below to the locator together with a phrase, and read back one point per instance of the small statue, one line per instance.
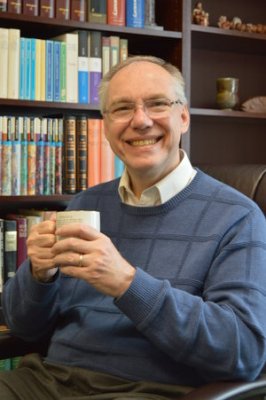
(199, 16)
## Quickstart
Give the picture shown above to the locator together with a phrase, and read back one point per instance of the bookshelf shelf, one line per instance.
(227, 113)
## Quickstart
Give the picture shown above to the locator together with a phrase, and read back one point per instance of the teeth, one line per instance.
(143, 142)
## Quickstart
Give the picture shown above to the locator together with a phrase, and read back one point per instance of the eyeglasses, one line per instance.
(154, 108)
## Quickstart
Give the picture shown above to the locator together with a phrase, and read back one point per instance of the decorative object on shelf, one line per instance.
(199, 16)
(237, 24)
(255, 105)
(227, 92)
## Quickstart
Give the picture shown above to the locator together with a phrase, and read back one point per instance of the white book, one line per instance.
(71, 40)
(13, 63)
(3, 62)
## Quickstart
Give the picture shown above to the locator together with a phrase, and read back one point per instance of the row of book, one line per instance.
(47, 156)
(67, 68)
(132, 13)
(9, 364)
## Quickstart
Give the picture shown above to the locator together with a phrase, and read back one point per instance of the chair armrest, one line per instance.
(229, 390)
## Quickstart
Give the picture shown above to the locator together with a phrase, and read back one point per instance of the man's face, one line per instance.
(149, 147)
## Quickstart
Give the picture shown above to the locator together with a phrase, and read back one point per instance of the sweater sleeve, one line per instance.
(220, 333)
(30, 307)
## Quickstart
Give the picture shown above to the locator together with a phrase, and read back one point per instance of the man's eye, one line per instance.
(160, 103)
(122, 108)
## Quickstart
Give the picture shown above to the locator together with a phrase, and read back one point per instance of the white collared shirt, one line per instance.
(163, 190)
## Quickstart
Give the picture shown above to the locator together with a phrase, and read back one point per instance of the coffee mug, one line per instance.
(91, 218)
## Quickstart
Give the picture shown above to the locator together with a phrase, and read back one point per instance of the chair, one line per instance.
(249, 179)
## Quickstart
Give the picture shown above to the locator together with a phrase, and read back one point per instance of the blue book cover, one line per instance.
(22, 68)
(33, 70)
(83, 67)
(119, 167)
(49, 70)
(57, 88)
(28, 69)
(135, 13)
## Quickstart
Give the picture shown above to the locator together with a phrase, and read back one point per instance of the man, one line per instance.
(170, 294)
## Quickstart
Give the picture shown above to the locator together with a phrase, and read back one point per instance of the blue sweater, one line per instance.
(195, 311)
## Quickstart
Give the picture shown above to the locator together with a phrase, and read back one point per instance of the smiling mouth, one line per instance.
(143, 142)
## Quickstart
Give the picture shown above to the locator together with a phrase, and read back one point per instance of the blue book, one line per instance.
(135, 13)
(33, 70)
(28, 69)
(22, 68)
(83, 67)
(119, 167)
(57, 88)
(49, 70)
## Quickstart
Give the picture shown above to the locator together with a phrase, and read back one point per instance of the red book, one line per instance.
(116, 12)
(94, 138)
(107, 158)
(47, 8)
(70, 159)
(14, 6)
(82, 152)
(22, 233)
(78, 10)
(62, 9)
(31, 7)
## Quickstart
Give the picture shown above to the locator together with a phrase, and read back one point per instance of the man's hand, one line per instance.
(85, 253)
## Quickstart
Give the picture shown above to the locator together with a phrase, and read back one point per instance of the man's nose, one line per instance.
(141, 118)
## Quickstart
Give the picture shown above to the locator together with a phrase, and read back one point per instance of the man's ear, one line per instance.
(185, 119)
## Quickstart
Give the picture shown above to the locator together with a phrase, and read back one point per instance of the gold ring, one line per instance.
(80, 264)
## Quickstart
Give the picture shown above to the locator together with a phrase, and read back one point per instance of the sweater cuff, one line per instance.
(143, 297)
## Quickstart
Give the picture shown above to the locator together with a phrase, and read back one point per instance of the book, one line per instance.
(123, 50)
(78, 10)
(40, 161)
(43, 70)
(47, 131)
(56, 70)
(116, 12)
(97, 11)
(106, 157)
(15, 156)
(94, 131)
(32, 153)
(71, 40)
(83, 67)
(59, 157)
(30, 7)
(19, 130)
(119, 167)
(10, 248)
(105, 54)
(33, 68)
(95, 65)
(13, 63)
(1, 254)
(70, 159)
(3, 5)
(82, 152)
(114, 50)
(135, 13)
(62, 9)
(38, 69)
(22, 234)
(27, 75)
(52, 156)
(24, 157)
(14, 6)
(49, 70)
(47, 8)
(1, 138)
(63, 71)
(4, 62)
(6, 158)
(22, 68)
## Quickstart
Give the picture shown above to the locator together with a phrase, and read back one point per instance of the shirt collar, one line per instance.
(163, 190)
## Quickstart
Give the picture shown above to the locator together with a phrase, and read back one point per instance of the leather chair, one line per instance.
(251, 180)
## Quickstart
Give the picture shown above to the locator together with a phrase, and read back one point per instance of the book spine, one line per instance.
(59, 157)
(19, 138)
(114, 50)
(14, 6)
(30, 7)
(97, 11)
(32, 152)
(3, 5)
(63, 71)
(47, 8)
(13, 63)
(24, 157)
(105, 54)
(94, 129)
(83, 67)
(49, 66)
(62, 9)
(22, 68)
(38, 67)
(116, 12)
(21, 223)
(82, 152)
(95, 65)
(16, 158)
(52, 156)
(135, 13)
(56, 79)
(33, 69)
(43, 71)
(1, 254)
(47, 132)
(40, 162)
(27, 95)
(70, 155)
(78, 10)
(123, 49)
(106, 157)
(119, 167)
(10, 248)
(6, 159)
(4, 62)
(1, 145)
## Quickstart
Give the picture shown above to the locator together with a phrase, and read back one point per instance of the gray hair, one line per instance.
(173, 71)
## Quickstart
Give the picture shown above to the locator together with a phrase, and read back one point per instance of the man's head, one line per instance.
(145, 113)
